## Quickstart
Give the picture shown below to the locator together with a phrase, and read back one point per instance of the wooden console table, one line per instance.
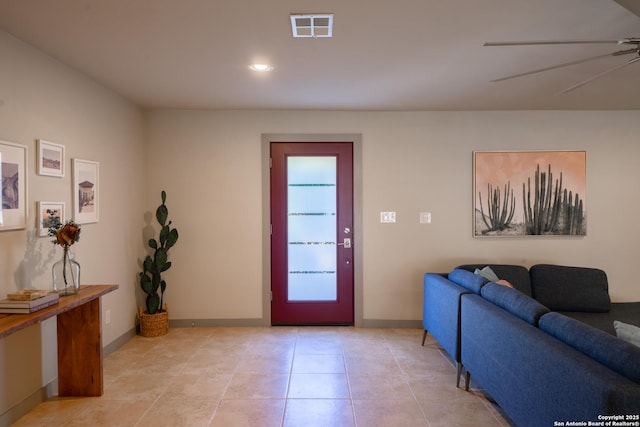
(79, 338)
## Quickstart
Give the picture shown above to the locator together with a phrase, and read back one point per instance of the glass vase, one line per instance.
(66, 275)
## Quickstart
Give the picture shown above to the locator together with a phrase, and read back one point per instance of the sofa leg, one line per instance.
(467, 380)
(459, 374)
(424, 337)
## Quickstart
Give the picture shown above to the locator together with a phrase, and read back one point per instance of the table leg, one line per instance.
(80, 351)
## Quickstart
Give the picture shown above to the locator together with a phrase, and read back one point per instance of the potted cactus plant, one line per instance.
(154, 321)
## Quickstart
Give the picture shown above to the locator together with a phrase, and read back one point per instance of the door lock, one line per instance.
(346, 242)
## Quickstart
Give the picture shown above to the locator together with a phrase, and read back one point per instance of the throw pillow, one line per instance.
(517, 275)
(487, 273)
(504, 283)
(629, 333)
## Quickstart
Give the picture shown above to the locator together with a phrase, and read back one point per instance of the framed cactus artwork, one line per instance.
(529, 193)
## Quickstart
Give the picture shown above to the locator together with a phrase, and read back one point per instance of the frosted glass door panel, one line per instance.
(311, 227)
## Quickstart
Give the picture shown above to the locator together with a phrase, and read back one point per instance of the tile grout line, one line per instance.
(406, 377)
(348, 378)
(288, 388)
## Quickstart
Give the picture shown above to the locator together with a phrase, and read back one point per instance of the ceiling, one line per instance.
(384, 55)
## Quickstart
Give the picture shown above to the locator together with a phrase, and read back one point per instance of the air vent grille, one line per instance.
(314, 25)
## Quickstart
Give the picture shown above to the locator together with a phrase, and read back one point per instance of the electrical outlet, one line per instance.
(107, 317)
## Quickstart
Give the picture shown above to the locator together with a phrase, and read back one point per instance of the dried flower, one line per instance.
(65, 235)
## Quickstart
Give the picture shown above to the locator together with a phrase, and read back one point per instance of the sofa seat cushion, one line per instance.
(468, 280)
(627, 312)
(616, 354)
(515, 302)
(517, 275)
(563, 288)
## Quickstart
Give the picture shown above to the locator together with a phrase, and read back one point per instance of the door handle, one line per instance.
(346, 242)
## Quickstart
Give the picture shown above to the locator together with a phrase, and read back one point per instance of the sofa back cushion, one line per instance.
(468, 280)
(515, 302)
(517, 275)
(616, 354)
(563, 288)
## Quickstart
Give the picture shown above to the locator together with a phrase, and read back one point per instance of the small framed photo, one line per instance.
(49, 214)
(86, 191)
(50, 158)
(13, 165)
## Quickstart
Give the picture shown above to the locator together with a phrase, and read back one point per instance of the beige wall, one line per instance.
(41, 98)
(412, 162)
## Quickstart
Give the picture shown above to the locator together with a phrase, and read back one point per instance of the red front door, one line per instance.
(312, 233)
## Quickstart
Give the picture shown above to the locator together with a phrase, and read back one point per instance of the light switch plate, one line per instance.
(387, 217)
(425, 217)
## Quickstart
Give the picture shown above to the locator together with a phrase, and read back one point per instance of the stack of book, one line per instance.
(25, 302)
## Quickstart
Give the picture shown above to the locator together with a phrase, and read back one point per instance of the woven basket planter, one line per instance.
(154, 325)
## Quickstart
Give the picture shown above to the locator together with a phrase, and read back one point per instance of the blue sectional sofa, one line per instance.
(441, 308)
(541, 366)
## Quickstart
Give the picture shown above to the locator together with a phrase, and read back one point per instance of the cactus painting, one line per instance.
(551, 199)
(499, 218)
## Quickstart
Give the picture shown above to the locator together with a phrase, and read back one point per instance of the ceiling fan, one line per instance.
(634, 42)
(632, 6)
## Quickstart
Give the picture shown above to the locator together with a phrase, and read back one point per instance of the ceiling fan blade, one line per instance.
(632, 6)
(597, 76)
(546, 42)
(566, 64)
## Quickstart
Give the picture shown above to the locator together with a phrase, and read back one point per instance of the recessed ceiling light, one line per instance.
(260, 67)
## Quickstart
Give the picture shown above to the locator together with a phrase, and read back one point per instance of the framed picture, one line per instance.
(529, 193)
(86, 191)
(49, 214)
(13, 158)
(50, 158)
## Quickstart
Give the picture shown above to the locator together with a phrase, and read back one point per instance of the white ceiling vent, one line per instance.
(314, 25)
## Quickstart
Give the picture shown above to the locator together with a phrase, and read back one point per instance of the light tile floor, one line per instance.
(280, 376)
